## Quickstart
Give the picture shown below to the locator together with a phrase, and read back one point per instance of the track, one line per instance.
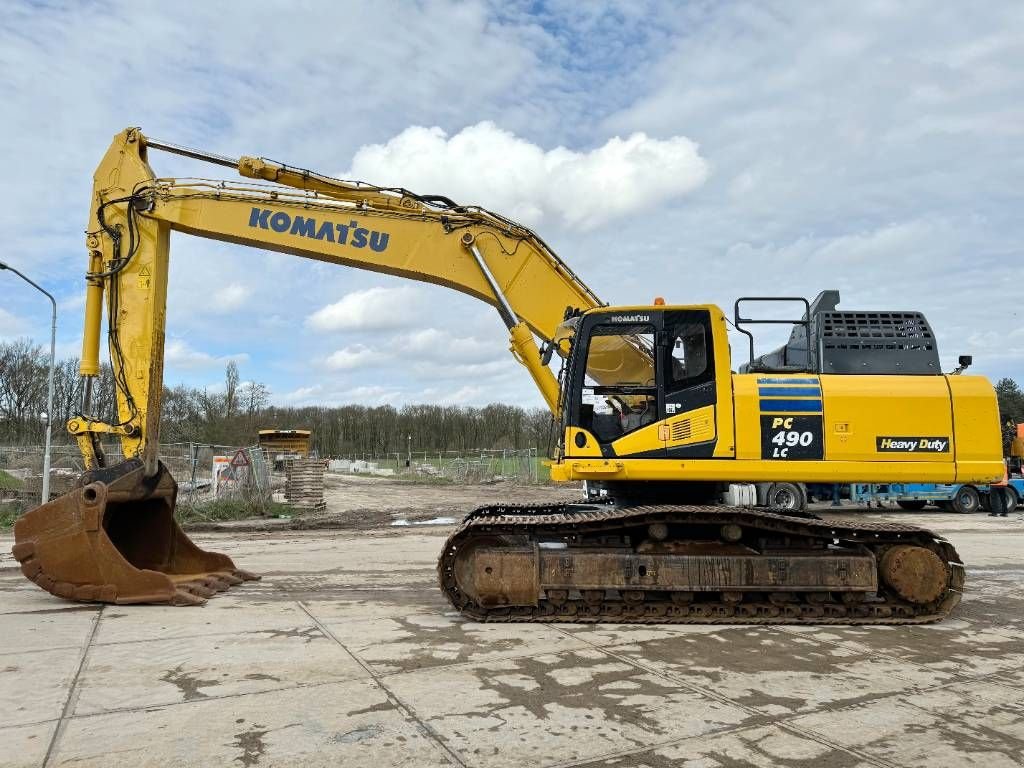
(578, 523)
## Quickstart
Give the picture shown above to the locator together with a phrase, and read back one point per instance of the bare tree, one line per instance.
(231, 378)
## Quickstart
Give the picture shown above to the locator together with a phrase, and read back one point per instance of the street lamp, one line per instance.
(48, 416)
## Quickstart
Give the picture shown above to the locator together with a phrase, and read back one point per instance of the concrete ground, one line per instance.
(346, 654)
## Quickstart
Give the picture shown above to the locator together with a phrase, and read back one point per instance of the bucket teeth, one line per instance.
(183, 597)
(197, 588)
(229, 577)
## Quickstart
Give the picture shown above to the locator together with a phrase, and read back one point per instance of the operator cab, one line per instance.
(633, 368)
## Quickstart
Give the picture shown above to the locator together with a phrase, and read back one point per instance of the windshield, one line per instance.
(619, 389)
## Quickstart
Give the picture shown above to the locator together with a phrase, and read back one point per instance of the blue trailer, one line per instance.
(950, 497)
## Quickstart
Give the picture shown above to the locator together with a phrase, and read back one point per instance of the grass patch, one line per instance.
(417, 479)
(222, 510)
(10, 511)
(8, 482)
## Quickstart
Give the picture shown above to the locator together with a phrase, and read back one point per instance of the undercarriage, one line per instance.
(694, 564)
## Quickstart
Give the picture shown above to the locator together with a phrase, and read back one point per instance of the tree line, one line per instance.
(234, 415)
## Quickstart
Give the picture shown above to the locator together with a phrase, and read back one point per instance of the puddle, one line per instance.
(432, 521)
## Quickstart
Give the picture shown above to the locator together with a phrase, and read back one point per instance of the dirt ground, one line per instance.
(347, 654)
(399, 499)
(363, 502)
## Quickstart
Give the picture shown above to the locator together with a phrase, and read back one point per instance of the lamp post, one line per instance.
(48, 416)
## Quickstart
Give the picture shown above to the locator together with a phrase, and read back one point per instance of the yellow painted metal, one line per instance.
(525, 350)
(90, 362)
(590, 447)
(134, 283)
(725, 418)
(647, 438)
(696, 426)
(286, 441)
(738, 470)
(859, 409)
(975, 428)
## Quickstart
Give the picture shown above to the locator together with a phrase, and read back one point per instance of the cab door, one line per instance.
(688, 379)
(614, 405)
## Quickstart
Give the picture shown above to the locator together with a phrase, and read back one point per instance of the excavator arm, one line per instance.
(301, 213)
(114, 538)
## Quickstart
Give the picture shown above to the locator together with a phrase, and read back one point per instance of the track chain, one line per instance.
(546, 520)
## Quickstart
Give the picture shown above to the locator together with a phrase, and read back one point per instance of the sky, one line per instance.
(698, 151)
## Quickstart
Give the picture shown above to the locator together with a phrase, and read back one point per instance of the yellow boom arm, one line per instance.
(305, 214)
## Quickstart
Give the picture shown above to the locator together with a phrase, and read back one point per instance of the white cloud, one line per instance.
(468, 394)
(229, 298)
(10, 325)
(179, 354)
(72, 303)
(300, 396)
(428, 352)
(354, 357)
(322, 396)
(453, 370)
(486, 165)
(370, 310)
(444, 346)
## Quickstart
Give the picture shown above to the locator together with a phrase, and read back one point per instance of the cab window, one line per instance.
(620, 389)
(689, 352)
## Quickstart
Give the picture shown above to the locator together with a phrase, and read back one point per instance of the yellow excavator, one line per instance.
(669, 440)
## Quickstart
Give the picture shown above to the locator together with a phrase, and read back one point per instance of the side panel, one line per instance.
(688, 429)
(976, 426)
(894, 419)
(696, 426)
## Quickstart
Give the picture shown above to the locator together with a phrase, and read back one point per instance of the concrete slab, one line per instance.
(777, 673)
(34, 686)
(46, 630)
(410, 641)
(18, 595)
(556, 708)
(24, 746)
(759, 747)
(335, 724)
(162, 672)
(898, 732)
(241, 609)
(960, 647)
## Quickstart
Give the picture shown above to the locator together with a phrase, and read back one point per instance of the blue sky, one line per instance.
(873, 147)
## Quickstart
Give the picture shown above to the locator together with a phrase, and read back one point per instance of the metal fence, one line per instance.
(204, 472)
(483, 465)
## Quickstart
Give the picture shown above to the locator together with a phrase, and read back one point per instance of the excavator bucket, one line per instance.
(114, 539)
